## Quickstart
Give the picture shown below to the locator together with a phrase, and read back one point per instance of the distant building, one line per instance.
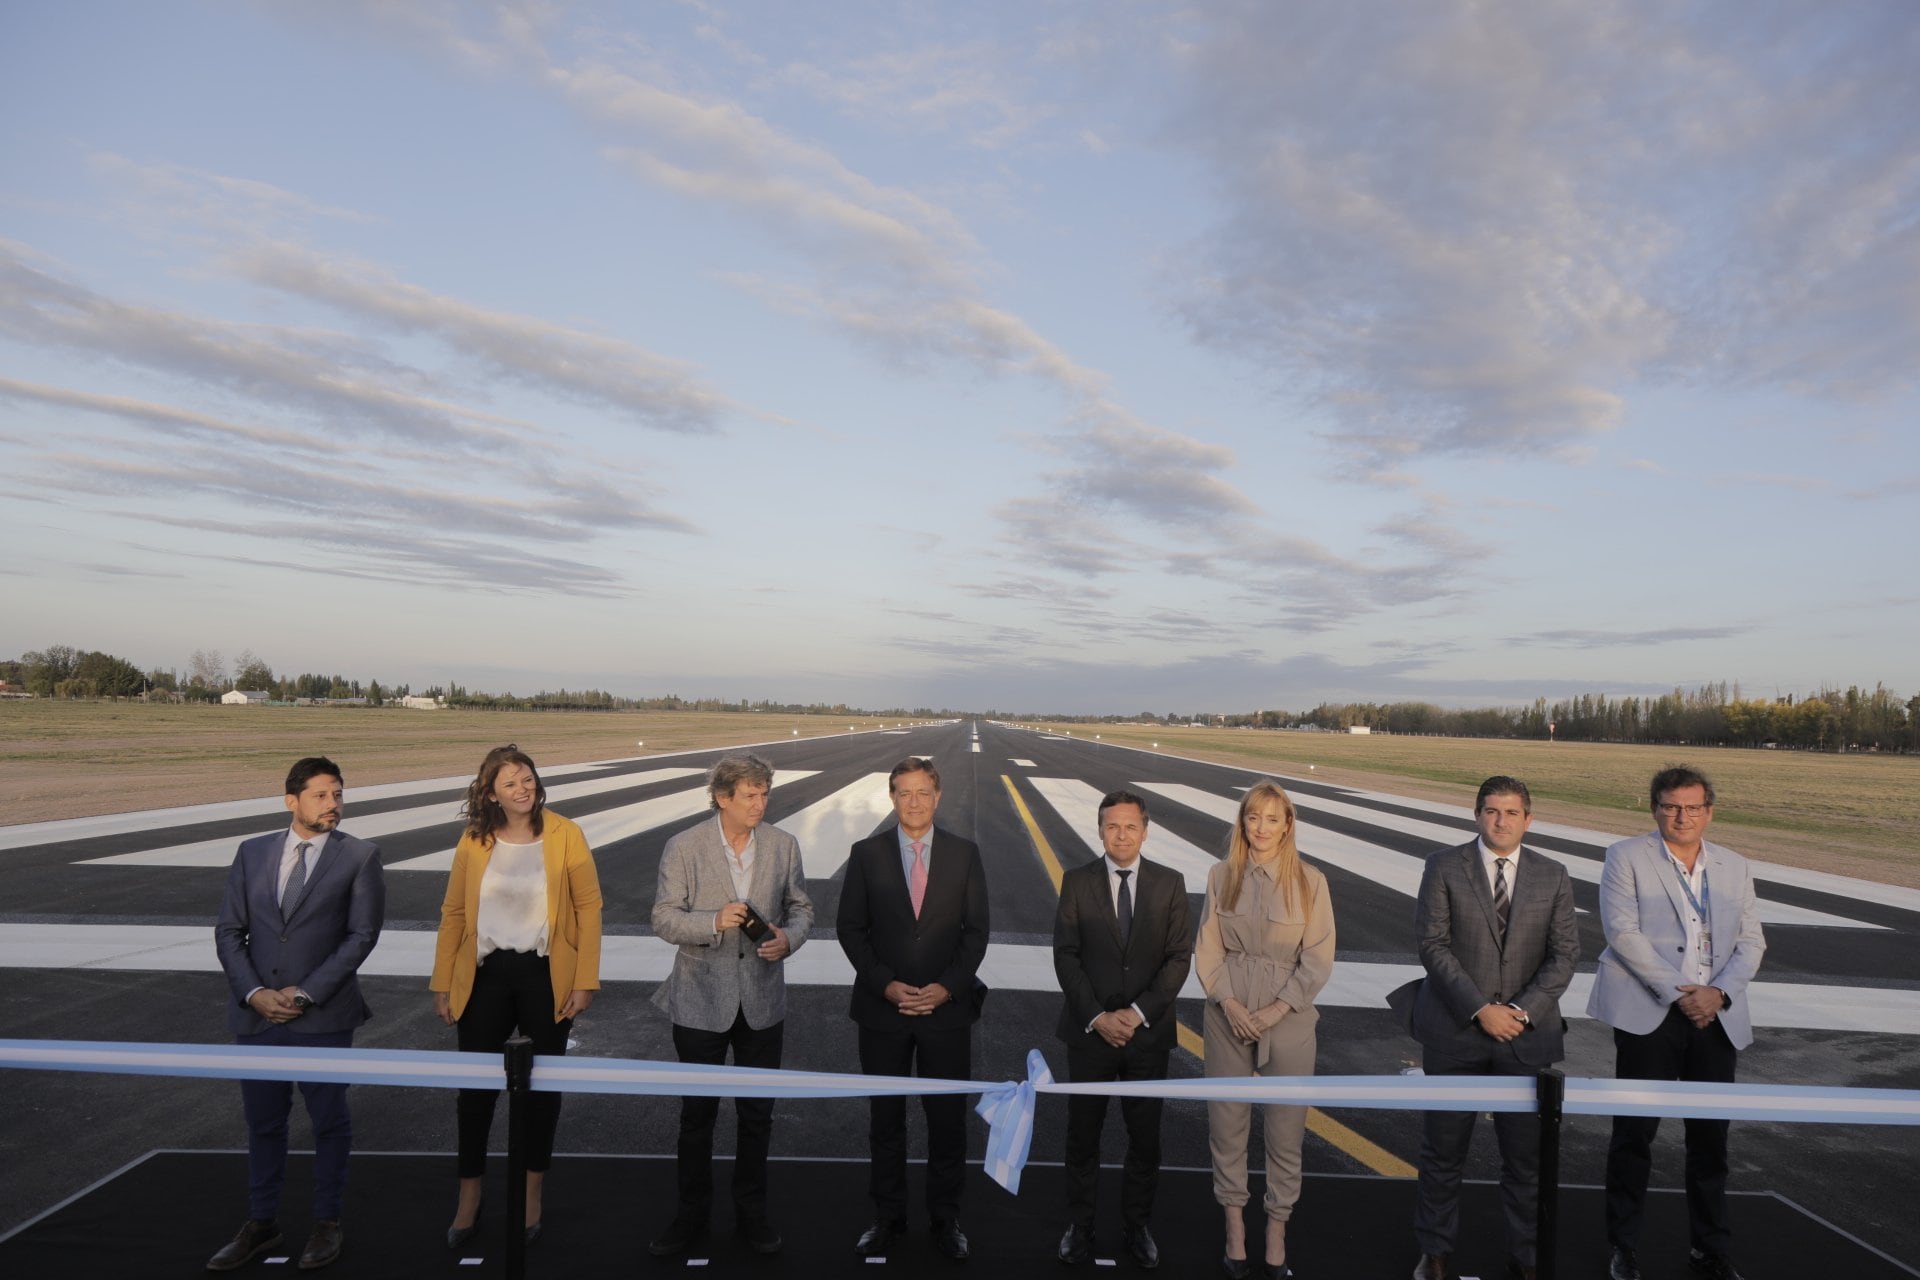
(423, 704)
(1359, 728)
(244, 698)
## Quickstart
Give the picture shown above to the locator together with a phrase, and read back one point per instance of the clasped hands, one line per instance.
(917, 1002)
(1701, 1005)
(276, 1006)
(1248, 1026)
(1500, 1021)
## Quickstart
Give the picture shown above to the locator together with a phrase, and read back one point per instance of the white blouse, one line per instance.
(513, 900)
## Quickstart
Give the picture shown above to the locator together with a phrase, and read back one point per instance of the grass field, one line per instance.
(1856, 814)
(75, 759)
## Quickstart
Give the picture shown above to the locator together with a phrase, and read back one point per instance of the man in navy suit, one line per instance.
(913, 921)
(302, 911)
(1122, 946)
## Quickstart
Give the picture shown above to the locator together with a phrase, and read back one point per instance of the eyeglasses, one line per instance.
(1675, 810)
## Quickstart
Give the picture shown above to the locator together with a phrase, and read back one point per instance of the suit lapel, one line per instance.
(1670, 877)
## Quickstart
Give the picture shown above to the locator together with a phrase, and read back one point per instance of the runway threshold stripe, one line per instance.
(1357, 1146)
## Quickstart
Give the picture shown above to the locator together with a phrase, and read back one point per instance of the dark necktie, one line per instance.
(1126, 908)
(1502, 905)
(296, 880)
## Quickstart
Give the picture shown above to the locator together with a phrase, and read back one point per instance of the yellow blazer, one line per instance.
(573, 915)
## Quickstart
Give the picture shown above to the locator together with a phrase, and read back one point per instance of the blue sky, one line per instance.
(1078, 357)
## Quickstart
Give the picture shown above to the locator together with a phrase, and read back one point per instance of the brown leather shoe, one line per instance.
(1434, 1266)
(323, 1246)
(254, 1239)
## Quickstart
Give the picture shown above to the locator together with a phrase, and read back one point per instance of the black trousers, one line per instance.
(1675, 1050)
(753, 1120)
(1087, 1115)
(512, 990)
(1443, 1157)
(937, 1053)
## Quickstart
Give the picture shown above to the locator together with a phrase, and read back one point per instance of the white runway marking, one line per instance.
(976, 746)
(1009, 966)
(1024, 764)
(1886, 895)
(1079, 804)
(1401, 872)
(269, 809)
(219, 853)
(827, 828)
(610, 825)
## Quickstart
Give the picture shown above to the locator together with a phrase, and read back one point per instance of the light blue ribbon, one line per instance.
(1008, 1111)
(1007, 1107)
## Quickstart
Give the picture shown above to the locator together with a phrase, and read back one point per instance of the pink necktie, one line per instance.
(917, 888)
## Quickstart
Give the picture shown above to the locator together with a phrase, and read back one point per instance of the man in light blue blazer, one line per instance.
(718, 883)
(302, 911)
(1683, 943)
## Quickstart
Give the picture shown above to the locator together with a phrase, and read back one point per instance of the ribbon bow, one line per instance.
(1008, 1111)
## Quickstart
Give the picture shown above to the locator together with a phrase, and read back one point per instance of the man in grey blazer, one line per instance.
(719, 882)
(1495, 927)
(1122, 946)
(302, 910)
(1683, 942)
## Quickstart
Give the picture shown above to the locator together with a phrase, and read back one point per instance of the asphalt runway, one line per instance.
(106, 933)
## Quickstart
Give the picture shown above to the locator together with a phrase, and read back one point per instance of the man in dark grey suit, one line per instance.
(1496, 932)
(302, 911)
(1122, 945)
(913, 921)
(719, 883)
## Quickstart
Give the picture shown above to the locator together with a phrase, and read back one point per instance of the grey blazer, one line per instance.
(1641, 907)
(319, 948)
(717, 975)
(1469, 965)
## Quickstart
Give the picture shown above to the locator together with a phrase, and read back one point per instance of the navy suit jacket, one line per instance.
(319, 948)
(885, 941)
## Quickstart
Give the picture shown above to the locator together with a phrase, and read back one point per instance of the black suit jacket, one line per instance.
(886, 943)
(1098, 975)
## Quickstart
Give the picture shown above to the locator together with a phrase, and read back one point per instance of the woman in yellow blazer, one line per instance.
(519, 948)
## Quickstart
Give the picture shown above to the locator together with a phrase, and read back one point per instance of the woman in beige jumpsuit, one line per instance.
(1264, 951)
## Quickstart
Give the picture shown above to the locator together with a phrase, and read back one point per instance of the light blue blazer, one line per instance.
(1642, 909)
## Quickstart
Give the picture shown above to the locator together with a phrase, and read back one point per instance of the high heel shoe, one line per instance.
(1276, 1271)
(534, 1231)
(458, 1236)
(1235, 1268)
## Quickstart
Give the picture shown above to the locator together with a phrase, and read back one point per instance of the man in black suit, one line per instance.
(1122, 945)
(303, 909)
(913, 920)
(1496, 932)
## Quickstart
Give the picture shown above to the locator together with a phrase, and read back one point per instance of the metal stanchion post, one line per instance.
(519, 1056)
(1552, 1094)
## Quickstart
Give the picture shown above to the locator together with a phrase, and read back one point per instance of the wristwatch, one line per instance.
(301, 1000)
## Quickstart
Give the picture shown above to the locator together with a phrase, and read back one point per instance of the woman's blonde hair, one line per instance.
(1289, 873)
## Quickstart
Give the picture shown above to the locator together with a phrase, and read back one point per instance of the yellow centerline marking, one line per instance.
(1359, 1147)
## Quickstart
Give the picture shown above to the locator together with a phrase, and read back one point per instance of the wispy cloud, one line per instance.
(1578, 639)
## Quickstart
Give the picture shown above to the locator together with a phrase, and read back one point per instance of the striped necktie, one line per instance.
(1502, 905)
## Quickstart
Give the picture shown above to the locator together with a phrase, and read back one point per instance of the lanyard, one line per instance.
(1686, 886)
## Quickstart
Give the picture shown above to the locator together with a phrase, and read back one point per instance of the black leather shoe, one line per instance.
(1235, 1268)
(681, 1235)
(323, 1246)
(874, 1241)
(254, 1238)
(1275, 1271)
(759, 1235)
(949, 1239)
(458, 1236)
(535, 1230)
(1076, 1246)
(1622, 1265)
(1146, 1254)
(1712, 1265)
(1433, 1266)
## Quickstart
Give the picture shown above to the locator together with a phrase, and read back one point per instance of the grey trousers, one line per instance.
(1443, 1155)
(1287, 1049)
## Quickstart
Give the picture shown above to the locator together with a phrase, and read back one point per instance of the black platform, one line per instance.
(165, 1214)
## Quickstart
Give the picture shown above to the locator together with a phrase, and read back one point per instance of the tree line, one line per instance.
(1832, 719)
